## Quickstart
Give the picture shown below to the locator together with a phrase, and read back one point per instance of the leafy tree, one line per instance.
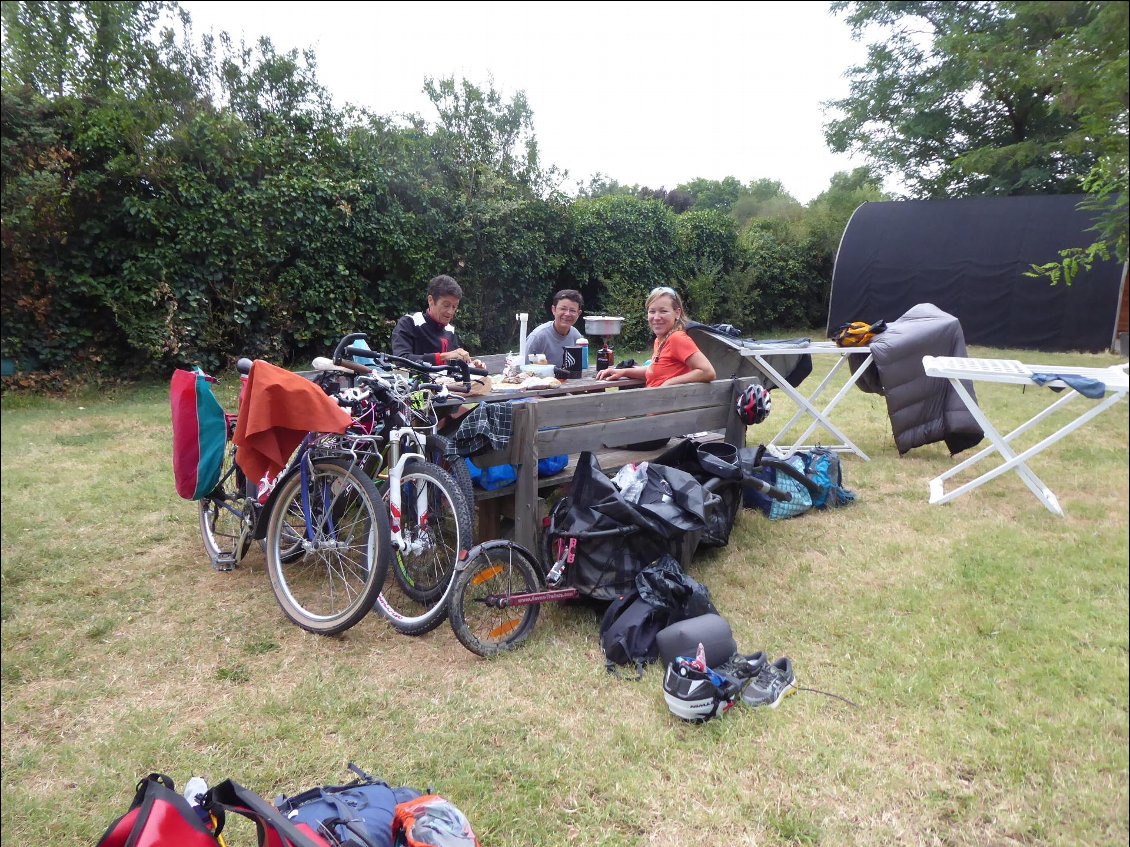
(1093, 65)
(623, 247)
(765, 198)
(829, 212)
(507, 222)
(960, 99)
(600, 185)
(489, 145)
(720, 195)
(81, 49)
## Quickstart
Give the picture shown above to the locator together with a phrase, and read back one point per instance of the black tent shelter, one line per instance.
(968, 257)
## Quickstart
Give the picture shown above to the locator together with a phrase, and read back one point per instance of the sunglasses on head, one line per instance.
(663, 289)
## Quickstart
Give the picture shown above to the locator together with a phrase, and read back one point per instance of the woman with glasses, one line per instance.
(675, 358)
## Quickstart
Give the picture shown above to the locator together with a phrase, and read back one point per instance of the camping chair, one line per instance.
(1108, 385)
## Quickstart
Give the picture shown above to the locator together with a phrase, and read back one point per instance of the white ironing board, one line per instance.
(1011, 371)
(820, 417)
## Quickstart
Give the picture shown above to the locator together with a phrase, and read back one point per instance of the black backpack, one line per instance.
(629, 632)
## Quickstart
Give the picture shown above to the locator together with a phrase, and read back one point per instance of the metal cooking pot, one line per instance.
(602, 325)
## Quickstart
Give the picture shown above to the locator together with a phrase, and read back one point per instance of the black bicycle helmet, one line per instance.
(754, 404)
(695, 695)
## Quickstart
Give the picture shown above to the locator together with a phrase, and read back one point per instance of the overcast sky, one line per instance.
(646, 93)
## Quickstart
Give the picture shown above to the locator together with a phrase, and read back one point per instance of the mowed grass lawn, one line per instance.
(983, 643)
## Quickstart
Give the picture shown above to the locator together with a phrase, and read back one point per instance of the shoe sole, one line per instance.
(788, 691)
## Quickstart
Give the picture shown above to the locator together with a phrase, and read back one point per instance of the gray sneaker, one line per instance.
(743, 668)
(773, 683)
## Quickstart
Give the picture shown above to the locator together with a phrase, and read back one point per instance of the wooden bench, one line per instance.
(602, 423)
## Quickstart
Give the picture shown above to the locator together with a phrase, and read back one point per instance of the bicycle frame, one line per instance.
(403, 443)
(565, 558)
(253, 516)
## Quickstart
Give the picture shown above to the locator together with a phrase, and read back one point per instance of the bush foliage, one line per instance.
(226, 208)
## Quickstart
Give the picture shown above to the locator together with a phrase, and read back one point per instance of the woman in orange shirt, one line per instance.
(675, 358)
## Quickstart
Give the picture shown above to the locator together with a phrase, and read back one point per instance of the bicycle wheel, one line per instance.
(330, 580)
(435, 527)
(441, 452)
(496, 569)
(225, 516)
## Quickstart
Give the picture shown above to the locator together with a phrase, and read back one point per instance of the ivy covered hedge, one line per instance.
(226, 208)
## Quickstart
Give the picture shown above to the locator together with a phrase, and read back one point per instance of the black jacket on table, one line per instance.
(419, 337)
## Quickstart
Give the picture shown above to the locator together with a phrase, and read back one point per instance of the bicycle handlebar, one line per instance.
(346, 341)
(356, 367)
(386, 360)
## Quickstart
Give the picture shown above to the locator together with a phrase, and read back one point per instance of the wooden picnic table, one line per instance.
(606, 418)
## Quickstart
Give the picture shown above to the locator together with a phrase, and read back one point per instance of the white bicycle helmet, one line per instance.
(695, 695)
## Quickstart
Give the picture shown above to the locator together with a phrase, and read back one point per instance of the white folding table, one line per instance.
(819, 417)
(1011, 371)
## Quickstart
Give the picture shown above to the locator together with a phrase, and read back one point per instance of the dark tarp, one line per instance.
(968, 257)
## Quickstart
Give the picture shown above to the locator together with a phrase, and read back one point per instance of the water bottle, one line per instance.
(195, 787)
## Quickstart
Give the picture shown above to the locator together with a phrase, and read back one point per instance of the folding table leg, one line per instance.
(819, 418)
(1013, 461)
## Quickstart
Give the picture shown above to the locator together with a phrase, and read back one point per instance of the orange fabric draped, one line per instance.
(278, 409)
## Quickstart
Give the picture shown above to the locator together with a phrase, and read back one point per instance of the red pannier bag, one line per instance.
(160, 817)
(199, 434)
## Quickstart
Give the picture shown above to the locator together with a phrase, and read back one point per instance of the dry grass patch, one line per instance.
(984, 643)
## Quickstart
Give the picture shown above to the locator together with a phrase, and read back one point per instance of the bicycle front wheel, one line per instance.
(494, 572)
(441, 452)
(225, 516)
(435, 526)
(327, 579)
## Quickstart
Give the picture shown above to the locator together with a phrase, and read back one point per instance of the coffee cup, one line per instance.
(573, 362)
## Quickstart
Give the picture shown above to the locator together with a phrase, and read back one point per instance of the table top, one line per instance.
(817, 347)
(586, 385)
(1018, 373)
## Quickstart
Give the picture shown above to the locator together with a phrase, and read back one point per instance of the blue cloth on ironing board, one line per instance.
(1085, 385)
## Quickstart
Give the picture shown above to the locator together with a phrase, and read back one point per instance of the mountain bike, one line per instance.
(421, 411)
(430, 518)
(323, 529)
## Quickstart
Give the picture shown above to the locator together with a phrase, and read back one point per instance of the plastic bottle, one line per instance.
(195, 787)
(583, 343)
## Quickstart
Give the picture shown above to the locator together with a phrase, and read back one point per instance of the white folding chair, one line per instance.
(1011, 371)
(806, 405)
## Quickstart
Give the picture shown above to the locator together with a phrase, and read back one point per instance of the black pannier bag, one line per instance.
(615, 538)
(715, 466)
(663, 594)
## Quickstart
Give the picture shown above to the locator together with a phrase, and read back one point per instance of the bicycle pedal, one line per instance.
(224, 563)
